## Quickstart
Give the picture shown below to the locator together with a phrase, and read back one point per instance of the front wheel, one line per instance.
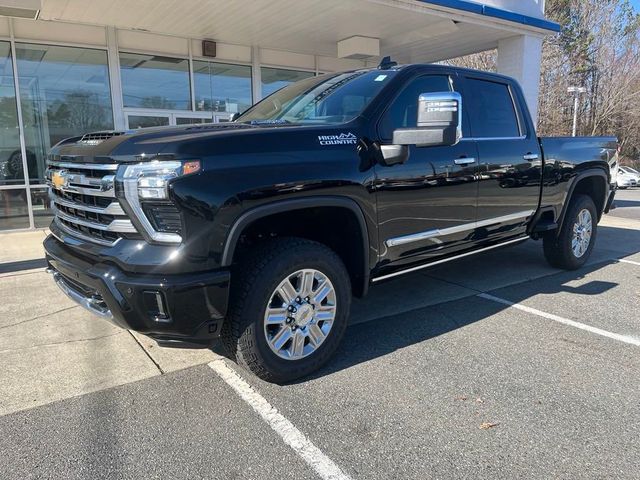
(290, 304)
(571, 248)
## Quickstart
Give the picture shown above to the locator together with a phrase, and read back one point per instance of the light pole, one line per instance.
(576, 93)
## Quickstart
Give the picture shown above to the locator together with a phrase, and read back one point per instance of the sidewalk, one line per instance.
(22, 246)
(52, 349)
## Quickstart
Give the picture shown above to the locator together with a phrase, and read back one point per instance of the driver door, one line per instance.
(427, 205)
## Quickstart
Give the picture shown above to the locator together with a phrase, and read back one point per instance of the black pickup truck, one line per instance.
(259, 231)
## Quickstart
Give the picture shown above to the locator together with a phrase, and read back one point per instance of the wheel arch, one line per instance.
(594, 183)
(357, 266)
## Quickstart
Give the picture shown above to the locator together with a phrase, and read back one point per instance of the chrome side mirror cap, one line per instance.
(439, 121)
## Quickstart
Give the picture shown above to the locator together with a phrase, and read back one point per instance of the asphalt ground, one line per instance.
(628, 203)
(437, 377)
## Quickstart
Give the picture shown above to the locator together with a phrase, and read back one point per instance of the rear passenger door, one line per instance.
(510, 160)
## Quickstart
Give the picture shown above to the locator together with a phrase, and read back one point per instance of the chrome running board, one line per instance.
(449, 259)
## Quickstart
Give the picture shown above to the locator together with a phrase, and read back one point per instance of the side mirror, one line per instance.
(439, 121)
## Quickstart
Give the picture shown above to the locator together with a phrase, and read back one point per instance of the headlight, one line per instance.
(148, 182)
(152, 178)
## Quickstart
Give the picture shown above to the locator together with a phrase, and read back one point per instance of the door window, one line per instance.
(150, 118)
(144, 121)
(192, 120)
(153, 81)
(490, 109)
(403, 111)
(221, 87)
(273, 79)
(64, 91)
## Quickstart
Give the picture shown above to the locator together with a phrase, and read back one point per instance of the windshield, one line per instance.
(327, 99)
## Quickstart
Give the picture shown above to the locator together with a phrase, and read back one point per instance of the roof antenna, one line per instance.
(386, 63)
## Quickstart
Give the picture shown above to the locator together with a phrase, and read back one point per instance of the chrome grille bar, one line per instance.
(84, 166)
(118, 225)
(113, 208)
(80, 235)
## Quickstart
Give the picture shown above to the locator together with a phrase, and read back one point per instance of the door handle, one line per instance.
(464, 161)
(531, 156)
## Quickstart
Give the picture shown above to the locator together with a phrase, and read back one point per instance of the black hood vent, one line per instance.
(95, 138)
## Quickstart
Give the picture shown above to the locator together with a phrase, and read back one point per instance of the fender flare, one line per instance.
(282, 206)
(591, 172)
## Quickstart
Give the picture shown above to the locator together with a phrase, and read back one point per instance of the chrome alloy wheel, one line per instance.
(300, 314)
(582, 231)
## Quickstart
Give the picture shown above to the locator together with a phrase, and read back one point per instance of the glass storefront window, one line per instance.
(192, 120)
(11, 171)
(64, 91)
(221, 87)
(152, 81)
(42, 214)
(14, 212)
(273, 79)
(145, 121)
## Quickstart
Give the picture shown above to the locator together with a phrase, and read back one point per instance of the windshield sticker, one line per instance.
(380, 78)
(276, 121)
(342, 139)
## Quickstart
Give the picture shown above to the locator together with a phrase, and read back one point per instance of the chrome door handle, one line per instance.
(531, 156)
(464, 161)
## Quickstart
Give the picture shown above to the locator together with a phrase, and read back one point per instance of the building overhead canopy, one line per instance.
(408, 30)
(20, 8)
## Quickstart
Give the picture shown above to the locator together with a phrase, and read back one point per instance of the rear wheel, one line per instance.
(571, 248)
(290, 304)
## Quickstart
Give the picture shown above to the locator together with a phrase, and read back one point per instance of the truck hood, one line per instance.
(126, 145)
(189, 140)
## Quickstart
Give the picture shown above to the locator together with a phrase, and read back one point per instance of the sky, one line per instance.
(636, 4)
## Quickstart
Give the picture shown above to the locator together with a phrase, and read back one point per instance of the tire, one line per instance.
(559, 250)
(247, 335)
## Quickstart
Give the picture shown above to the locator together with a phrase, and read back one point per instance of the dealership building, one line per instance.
(73, 66)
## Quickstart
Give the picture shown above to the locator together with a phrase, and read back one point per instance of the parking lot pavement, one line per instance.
(595, 297)
(628, 203)
(431, 381)
(409, 397)
(174, 426)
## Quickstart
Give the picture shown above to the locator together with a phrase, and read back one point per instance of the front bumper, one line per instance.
(178, 310)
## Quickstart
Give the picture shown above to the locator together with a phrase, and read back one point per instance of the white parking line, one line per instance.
(629, 261)
(323, 465)
(566, 321)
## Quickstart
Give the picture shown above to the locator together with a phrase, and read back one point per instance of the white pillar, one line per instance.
(520, 57)
(119, 120)
(256, 75)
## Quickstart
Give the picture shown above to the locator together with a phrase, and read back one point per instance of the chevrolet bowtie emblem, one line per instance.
(59, 179)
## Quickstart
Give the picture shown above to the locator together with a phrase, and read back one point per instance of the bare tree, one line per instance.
(599, 49)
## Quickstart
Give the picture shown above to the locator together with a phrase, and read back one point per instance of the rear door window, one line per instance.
(490, 109)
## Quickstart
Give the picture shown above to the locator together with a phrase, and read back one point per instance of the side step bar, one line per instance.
(449, 259)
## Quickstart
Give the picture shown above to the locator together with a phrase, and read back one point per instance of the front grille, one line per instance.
(84, 202)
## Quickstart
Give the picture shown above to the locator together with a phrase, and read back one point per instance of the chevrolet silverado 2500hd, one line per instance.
(259, 231)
